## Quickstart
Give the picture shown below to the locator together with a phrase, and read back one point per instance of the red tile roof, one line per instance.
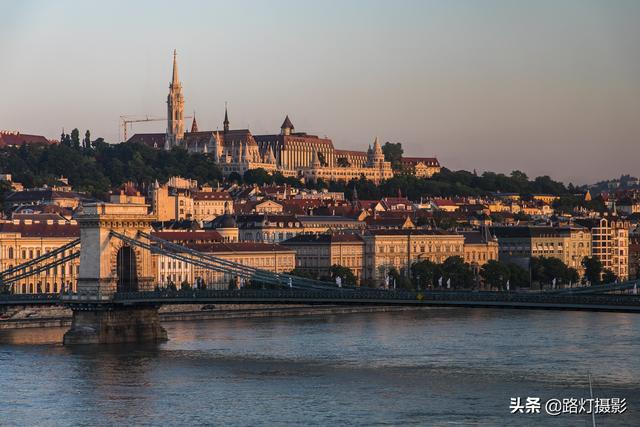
(41, 229)
(18, 139)
(211, 195)
(238, 247)
(189, 236)
(429, 161)
(155, 140)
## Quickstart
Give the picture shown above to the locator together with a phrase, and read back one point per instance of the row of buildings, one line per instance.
(372, 236)
(370, 254)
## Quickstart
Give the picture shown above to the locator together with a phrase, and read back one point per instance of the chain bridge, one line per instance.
(117, 301)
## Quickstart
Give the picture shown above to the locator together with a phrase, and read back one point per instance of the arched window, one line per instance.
(10, 254)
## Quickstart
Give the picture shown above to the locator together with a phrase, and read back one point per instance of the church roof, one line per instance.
(289, 140)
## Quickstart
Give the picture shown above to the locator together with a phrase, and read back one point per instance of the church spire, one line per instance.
(175, 109)
(175, 79)
(194, 125)
(225, 124)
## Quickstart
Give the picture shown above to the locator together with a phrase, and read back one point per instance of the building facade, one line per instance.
(519, 244)
(399, 249)
(273, 258)
(610, 243)
(317, 253)
(23, 241)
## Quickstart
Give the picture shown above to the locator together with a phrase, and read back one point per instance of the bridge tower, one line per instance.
(107, 266)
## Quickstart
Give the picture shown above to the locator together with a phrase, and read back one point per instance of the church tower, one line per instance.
(175, 109)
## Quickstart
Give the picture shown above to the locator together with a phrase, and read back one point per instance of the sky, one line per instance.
(549, 87)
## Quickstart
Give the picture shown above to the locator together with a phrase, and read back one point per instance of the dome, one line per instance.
(224, 221)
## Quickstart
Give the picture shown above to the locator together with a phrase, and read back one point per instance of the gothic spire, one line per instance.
(225, 124)
(175, 80)
(194, 125)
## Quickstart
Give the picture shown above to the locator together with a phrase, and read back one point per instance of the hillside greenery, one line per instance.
(96, 167)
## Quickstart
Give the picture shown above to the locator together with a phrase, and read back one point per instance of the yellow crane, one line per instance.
(128, 120)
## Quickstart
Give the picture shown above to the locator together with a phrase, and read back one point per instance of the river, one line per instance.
(432, 367)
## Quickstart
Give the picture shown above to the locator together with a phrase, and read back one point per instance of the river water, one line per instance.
(431, 367)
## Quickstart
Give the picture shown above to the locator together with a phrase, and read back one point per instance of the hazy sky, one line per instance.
(548, 87)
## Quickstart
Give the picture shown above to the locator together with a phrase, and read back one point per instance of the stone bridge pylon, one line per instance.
(107, 266)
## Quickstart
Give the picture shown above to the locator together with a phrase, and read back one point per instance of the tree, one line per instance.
(257, 176)
(592, 269)
(393, 153)
(322, 159)
(343, 162)
(609, 276)
(86, 143)
(459, 272)
(423, 273)
(518, 276)
(302, 273)
(235, 177)
(572, 275)
(345, 274)
(495, 274)
(75, 138)
(546, 269)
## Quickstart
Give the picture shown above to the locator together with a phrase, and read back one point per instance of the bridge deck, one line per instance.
(619, 303)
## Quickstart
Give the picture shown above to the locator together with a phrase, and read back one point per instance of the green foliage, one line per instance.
(343, 162)
(545, 269)
(322, 159)
(257, 176)
(449, 183)
(86, 142)
(302, 273)
(400, 280)
(425, 273)
(592, 269)
(345, 273)
(291, 181)
(567, 204)
(97, 170)
(393, 153)
(75, 138)
(519, 277)
(495, 274)
(235, 177)
(609, 276)
(458, 271)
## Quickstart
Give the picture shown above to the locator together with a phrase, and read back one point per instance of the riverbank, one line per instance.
(43, 318)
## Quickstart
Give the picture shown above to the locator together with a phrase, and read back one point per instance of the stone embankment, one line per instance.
(48, 317)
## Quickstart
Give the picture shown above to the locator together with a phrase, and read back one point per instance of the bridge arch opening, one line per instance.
(127, 270)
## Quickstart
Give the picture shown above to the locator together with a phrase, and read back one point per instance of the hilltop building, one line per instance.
(290, 152)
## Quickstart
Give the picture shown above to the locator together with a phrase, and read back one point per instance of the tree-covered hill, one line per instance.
(100, 167)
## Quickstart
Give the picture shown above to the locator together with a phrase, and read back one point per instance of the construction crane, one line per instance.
(128, 120)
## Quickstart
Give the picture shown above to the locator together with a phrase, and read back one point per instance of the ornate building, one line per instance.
(291, 153)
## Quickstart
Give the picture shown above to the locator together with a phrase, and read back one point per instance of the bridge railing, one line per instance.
(376, 296)
(30, 298)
